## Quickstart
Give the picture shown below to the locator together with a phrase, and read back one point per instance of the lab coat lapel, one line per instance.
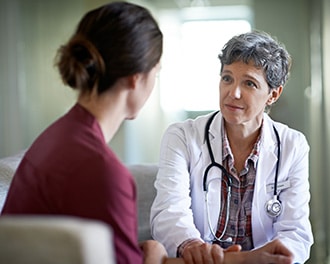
(266, 163)
(265, 174)
(214, 176)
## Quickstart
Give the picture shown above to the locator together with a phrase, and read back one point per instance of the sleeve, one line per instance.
(293, 226)
(171, 215)
(105, 190)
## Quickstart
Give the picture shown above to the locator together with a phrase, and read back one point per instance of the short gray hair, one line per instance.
(265, 51)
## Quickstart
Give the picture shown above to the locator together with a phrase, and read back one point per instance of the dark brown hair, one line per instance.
(113, 41)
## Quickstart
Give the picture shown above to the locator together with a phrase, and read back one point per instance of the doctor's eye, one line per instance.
(226, 78)
(251, 84)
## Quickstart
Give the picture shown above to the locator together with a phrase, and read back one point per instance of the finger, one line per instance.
(217, 254)
(192, 255)
(233, 248)
(281, 249)
(206, 251)
(276, 247)
(278, 259)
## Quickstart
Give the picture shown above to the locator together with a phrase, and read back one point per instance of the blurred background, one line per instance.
(32, 94)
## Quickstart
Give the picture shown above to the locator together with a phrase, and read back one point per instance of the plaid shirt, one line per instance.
(239, 227)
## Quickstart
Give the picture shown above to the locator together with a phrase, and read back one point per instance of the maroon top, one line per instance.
(70, 170)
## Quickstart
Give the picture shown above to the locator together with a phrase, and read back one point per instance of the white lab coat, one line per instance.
(178, 212)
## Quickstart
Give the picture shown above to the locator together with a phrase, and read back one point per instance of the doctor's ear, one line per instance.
(274, 94)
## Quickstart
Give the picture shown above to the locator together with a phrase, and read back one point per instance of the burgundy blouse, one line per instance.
(70, 170)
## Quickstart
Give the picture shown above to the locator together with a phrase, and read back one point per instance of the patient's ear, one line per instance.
(132, 80)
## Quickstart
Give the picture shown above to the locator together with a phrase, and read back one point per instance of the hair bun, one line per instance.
(80, 64)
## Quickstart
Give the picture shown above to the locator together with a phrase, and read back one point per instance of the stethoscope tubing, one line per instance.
(229, 180)
(227, 215)
(278, 160)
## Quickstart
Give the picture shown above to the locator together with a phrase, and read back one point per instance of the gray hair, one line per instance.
(266, 53)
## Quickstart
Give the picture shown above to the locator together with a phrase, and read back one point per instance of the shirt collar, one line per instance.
(226, 150)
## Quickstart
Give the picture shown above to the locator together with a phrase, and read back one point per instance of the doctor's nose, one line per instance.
(235, 92)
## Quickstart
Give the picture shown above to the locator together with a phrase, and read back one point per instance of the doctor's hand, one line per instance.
(197, 252)
(273, 252)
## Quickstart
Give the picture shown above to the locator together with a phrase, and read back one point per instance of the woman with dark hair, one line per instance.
(111, 60)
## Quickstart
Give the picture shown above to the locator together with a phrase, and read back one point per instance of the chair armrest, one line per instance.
(50, 240)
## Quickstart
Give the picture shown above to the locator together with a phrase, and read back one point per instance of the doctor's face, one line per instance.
(244, 94)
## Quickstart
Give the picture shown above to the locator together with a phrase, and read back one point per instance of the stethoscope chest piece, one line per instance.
(273, 207)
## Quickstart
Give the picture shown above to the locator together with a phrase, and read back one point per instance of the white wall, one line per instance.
(31, 92)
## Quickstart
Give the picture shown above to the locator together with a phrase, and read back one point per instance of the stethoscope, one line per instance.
(273, 207)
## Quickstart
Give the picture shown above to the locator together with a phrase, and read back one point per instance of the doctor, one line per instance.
(236, 176)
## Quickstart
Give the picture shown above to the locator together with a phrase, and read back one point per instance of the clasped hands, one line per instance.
(273, 252)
